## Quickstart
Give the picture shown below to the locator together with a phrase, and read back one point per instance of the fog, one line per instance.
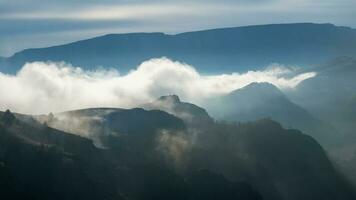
(43, 87)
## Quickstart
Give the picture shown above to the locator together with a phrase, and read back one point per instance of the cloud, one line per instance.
(43, 87)
(175, 145)
(86, 125)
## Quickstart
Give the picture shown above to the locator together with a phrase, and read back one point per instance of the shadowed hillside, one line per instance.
(152, 154)
(38, 162)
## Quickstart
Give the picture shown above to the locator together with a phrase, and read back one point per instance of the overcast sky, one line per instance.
(39, 23)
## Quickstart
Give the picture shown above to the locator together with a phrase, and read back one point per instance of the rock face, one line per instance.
(217, 50)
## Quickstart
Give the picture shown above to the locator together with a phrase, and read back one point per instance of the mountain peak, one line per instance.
(261, 85)
(170, 98)
(259, 89)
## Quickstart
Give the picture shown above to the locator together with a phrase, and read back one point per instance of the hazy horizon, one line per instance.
(65, 42)
(34, 23)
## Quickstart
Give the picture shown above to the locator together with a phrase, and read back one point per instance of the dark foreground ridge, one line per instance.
(153, 155)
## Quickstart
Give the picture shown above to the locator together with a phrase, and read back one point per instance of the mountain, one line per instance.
(347, 166)
(38, 162)
(258, 100)
(97, 123)
(216, 50)
(162, 160)
(350, 110)
(264, 100)
(330, 94)
(281, 163)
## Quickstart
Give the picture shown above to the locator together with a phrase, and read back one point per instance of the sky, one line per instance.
(37, 23)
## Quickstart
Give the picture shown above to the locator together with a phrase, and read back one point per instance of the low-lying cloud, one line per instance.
(43, 87)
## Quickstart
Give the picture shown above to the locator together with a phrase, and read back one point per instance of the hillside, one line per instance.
(164, 160)
(43, 163)
(331, 93)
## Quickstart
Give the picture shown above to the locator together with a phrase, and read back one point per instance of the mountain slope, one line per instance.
(216, 161)
(38, 162)
(330, 96)
(331, 93)
(264, 100)
(216, 50)
(281, 163)
(35, 165)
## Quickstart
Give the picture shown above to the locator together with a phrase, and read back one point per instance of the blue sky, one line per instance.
(38, 23)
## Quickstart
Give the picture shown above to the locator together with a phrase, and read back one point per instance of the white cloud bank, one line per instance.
(43, 87)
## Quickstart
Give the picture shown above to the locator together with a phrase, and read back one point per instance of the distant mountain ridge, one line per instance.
(216, 50)
(330, 93)
(256, 100)
(264, 100)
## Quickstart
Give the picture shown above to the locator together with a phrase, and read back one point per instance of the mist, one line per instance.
(43, 87)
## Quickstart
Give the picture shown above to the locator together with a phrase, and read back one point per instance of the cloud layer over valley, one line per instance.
(43, 87)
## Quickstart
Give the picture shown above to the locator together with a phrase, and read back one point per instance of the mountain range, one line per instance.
(218, 50)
